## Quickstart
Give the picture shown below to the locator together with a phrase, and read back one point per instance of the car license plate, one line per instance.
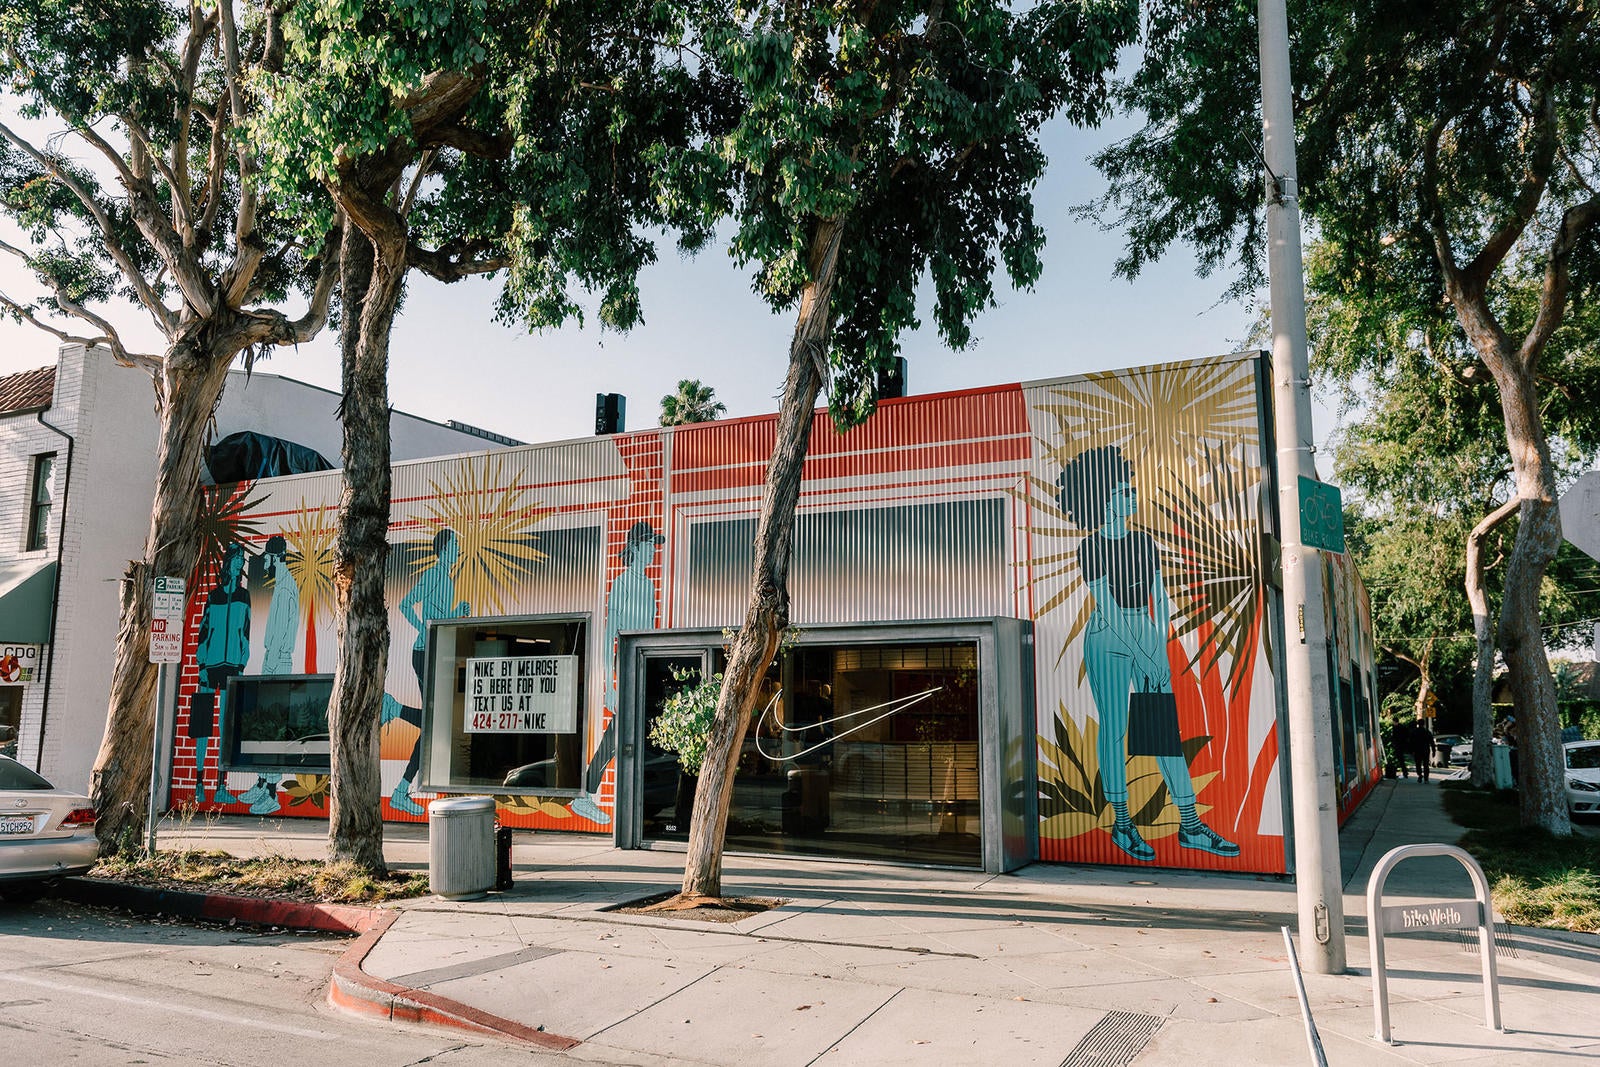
(16, 824)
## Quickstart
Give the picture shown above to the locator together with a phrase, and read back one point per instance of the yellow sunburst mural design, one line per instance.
(311, 536)
(492, 518)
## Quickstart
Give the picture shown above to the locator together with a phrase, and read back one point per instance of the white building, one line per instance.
(77, 474)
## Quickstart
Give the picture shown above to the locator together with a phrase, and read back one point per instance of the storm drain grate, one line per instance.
(1114, 1041)
(1504, 943)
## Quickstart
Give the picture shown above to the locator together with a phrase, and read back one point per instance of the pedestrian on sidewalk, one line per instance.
(1421, 742)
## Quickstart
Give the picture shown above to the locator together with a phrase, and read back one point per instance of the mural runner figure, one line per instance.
(432, 597)
(1125, 643)
(283, 621)
(223, 650)
(630, 606)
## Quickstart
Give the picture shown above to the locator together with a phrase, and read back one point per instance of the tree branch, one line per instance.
(1529, 193)
(247, 253)
(446, 265)
(1576, 222)
(275, 328)
(108, 237)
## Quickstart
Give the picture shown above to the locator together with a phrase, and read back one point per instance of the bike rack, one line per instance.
(1439, 915)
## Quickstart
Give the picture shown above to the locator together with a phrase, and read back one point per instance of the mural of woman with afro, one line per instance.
(1125, 646)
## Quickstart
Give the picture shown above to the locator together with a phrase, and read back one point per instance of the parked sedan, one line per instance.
(1461, 754)
(45, 833)
(1583, 776)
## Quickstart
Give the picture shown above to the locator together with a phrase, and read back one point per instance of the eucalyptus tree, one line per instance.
(1426, 450)
(1445, 148)
(140, 189)
(459, 138)
(691, 402)
(867, 148)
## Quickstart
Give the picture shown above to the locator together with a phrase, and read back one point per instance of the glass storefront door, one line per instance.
(667, 793)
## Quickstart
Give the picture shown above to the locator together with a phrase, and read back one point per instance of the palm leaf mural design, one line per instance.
(1211, 541)
(493, 521)
(222, 522)
(1156, 412)
(1170, 426)
(1072, 799)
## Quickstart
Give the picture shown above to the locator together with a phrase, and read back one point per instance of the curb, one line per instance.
(354, 990)
(351, 989)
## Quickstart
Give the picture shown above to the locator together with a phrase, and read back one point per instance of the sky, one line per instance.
(450, 360)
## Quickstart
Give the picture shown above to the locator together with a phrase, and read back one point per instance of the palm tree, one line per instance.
(692, 402)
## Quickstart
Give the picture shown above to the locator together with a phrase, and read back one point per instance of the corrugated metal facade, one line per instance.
(961, 505)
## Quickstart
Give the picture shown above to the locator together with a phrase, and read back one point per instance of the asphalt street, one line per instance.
(94, 986)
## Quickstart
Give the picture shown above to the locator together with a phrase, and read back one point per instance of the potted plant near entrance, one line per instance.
(683, 727)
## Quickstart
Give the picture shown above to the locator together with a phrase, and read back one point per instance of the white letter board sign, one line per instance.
(522, 695)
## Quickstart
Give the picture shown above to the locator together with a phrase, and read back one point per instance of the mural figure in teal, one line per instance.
(222, 652)
(1125, 647)
(432, 597)
(283, 623)
(630, 606)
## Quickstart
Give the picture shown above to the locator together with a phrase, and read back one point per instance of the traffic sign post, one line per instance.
(166, 646)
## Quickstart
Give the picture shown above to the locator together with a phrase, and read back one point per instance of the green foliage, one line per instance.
(1537, 879)
(159, 195)
(914, 124)
(548, 172)
(684, 723)
(1430, 134)
(691, 403)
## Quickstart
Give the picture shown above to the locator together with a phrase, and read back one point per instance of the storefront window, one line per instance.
(860, 750)
(506, 705)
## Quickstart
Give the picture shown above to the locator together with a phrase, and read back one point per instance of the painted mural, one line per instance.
(1157, 710)
(1127, 514)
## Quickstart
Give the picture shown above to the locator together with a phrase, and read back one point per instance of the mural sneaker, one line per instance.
(400, 800)
(266, 803)
(391, 710)
(254, 794)
(588, 809)
(222, 796)
(1128, 840)
(1207, 840)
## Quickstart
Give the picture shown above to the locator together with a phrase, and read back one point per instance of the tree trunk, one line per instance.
(194, 372)
(371, 285)
(1483, 633)
(767, 612)
(1542, 785)
(1533, 693)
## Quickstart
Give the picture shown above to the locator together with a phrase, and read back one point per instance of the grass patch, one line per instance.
(1537, 879)
(276, 877)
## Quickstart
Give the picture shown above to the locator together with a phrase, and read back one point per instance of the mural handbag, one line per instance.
(1153, 725)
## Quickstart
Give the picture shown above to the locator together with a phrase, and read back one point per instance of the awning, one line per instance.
(27, 587)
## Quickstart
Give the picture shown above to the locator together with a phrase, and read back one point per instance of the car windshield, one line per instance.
(1586, 758)
(14, 775)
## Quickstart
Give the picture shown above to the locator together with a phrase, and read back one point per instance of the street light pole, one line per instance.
(1319, 889)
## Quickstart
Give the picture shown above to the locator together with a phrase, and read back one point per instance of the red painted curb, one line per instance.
(354, 990)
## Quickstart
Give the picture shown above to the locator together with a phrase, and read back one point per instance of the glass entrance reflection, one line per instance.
(865, 751)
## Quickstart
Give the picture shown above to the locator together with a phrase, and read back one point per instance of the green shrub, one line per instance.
(684, 723)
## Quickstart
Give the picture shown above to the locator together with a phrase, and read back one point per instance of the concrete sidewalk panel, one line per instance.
(1274, 1040)
(745, 1016)
(573, 993)
(1569, 1020)
(918, 1027)
(1437, 1032)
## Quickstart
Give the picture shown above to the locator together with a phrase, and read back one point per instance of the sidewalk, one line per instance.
(889, 965)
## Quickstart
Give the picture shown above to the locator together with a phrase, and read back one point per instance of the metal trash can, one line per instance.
(461, 847)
